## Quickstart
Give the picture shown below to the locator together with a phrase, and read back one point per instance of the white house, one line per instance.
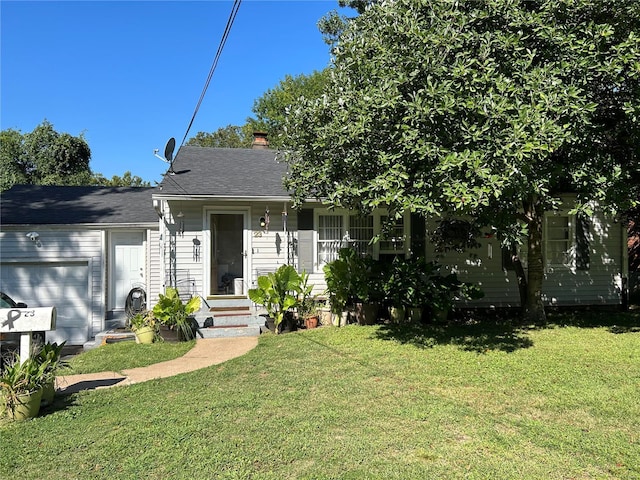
(225, 219)
(80, 249)
(220, 218)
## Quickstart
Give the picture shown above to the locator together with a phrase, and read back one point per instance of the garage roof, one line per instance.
(64, 205)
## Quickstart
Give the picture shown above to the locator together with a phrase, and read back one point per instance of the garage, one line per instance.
(64, 285)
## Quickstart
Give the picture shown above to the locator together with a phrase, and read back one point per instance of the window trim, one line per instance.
(570, 241)
(377, 216)
(573, 244)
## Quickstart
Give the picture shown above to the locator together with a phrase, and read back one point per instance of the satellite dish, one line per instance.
(168, 150)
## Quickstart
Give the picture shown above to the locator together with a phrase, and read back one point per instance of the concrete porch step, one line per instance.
(231, 331)
(235, 319)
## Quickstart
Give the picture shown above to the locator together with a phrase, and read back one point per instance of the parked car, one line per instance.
(10, 342)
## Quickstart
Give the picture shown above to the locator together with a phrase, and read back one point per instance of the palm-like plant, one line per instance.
(279, 292)
(173, 312)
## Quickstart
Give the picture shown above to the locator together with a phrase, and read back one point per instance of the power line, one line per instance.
(225, 35)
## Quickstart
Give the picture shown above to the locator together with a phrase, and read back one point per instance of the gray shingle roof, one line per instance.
(228, 172)
(64, 205)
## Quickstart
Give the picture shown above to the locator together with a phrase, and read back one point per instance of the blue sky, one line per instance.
(128, 74)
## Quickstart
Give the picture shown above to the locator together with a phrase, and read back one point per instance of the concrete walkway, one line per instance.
(207, 352)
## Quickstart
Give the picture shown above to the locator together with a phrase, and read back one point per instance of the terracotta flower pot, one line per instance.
(311, 322)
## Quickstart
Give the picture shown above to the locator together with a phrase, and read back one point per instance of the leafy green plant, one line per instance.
(174, 313)
(339, 285)
(280, 291)
(414, 282)
(18, 379)
(50, 355)
(408, 283)
(308, 308)
(445, 290)
(144, 319)
(352, 278)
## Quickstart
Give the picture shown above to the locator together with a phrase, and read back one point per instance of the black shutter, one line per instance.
(582, 243)
(418, 235)
(507, 259)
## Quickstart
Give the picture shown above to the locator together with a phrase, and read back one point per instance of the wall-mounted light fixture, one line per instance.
(180, 223)
(196, 249)
(33, 236)
(264, 221)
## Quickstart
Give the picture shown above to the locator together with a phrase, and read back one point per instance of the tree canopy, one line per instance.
(489, 108)
(231, 136)
(272, 108)
(270, 112)
(47, 157)
(43, 157)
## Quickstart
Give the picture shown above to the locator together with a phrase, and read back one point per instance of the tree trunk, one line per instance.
(521, 275)
(534, 308)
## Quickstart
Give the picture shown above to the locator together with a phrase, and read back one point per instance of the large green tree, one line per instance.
(43, 157)
(333, 23)
(231, 136)
(270, 112)
(273, 107)
(47, 157)
(126, 180)
(486, 108)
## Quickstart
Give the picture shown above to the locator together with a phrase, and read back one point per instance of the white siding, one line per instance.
(482, 266)
(269, 250)
(57, 246)
(154, 270)
(274, 248)
(60, 248)
(266, 250)
(601, 284)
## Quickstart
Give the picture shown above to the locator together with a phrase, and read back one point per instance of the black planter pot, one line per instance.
(270, 324)
(288, 324)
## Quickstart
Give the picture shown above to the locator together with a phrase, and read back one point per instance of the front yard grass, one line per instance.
(120, 356)
(474, 401)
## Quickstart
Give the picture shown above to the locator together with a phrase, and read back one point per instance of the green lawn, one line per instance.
(123, 355)
(474, 402)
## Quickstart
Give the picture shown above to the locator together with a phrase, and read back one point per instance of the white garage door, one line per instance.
(63, 285)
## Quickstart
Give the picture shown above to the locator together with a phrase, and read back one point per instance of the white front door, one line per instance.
(127, 266)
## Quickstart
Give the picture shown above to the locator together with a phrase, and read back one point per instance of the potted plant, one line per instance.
(278, 293)
(369, 291)
(21, 386)
(308, 312)
(396, 289)
(174, 313)
(353, 285)
(339, 288)
(50, 355)
(145, 325)
(445, 290)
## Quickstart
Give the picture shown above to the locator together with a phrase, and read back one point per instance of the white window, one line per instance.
(331, 235)
(393, 241)
(558, 244)
(361, 233)
(341, 229)
(567, 241)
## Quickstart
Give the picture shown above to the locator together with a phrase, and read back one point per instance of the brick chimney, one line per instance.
(260, 141)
